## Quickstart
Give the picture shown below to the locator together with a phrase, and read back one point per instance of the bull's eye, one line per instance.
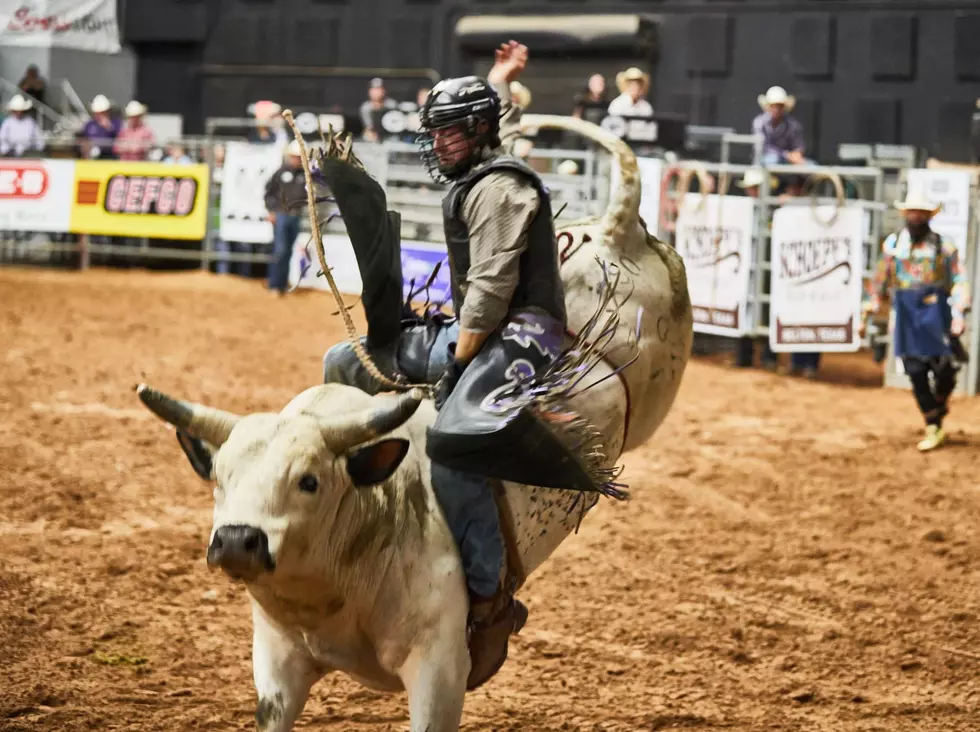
(309, 484)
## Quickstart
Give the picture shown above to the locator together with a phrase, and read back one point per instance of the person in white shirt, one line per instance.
(633, 85)
(19, 133)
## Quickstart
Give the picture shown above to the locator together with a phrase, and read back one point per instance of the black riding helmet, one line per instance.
(470, 104)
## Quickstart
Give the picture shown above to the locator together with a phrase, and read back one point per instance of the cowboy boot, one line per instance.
(375, 235)
(491, 623)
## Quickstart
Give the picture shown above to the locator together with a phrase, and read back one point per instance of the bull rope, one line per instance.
(345, 152)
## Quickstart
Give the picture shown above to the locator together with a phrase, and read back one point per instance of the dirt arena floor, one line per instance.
(788, 561)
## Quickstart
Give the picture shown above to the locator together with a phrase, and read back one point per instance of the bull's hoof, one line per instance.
(488, 643)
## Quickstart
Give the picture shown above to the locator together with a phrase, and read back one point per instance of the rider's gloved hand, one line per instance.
(451, 377)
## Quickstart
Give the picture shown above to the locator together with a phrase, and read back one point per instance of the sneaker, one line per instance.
(935, 436)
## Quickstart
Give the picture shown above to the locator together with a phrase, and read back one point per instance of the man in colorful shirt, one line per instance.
(921, 273)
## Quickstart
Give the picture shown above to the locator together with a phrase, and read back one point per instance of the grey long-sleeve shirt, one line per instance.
(497, 212)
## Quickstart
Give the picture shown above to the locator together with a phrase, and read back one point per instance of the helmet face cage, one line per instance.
(458, 121)
(458, 148)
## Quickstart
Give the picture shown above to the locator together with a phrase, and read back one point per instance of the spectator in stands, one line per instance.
(592, 104)
(633, 86)
(101, 131)
(285, 195)
(34, 84)
(19, 133)
(782, 134)
(374, 108)
(135, 139)
(176, 155)
(269, 127)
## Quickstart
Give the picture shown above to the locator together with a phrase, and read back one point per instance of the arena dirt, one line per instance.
(788, 562)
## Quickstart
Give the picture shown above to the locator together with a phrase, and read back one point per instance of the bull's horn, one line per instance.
(374, 422)
(208, 424)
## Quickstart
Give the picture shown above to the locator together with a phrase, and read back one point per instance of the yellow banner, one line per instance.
(154, 200)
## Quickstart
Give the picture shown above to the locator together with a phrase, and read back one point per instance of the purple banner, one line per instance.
(418, 262)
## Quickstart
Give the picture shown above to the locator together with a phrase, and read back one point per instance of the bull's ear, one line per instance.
(198, 453)
(376, 463)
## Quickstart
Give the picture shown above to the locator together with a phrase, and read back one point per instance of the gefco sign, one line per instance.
(142, 194)
(635, 129)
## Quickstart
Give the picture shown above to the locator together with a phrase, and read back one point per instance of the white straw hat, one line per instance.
(754, 177)
(135, 109)
(293, 148)
(915, 201)
(101, 103)
(19, 104)
(777, 95)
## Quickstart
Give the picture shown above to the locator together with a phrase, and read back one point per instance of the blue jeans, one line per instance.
(466, 499)
(284, 233)
(778, 158)
(801, 361)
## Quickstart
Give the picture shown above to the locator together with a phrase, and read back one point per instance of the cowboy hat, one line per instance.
(567, 167)
(754, 177)
(777, 95)
(101, 103)
(632, 74)
(915, 201)
(135, 109)
(293, 148)
(19, 104)
(520, 94)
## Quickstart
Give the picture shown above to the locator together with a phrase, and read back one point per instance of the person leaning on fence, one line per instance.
(19, 133)
(101, 131)
(285, 196)
(135, 139)
(268, 128)
(921, 273)
(633, 84)
(782, 133)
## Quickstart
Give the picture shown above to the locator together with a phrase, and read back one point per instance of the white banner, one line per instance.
(817, 270)
(951, 188)
(247, 169)
(714, 236)
(36, 195)
(88, 25)
(651, 172)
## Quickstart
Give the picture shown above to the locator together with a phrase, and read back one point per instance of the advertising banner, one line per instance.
(816, 279)
(713, 234)
(247, 168)
(36, 195)
(153, 200)
(87, 25)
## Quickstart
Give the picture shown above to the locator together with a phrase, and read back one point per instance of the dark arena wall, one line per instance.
(886, 71)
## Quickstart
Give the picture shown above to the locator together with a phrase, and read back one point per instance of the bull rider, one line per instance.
(510, 320)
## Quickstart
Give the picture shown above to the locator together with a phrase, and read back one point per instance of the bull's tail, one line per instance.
(622, 216)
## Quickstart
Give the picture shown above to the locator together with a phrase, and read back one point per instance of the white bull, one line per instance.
(327, 513)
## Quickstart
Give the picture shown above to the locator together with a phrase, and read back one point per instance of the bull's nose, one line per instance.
(242, 551)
